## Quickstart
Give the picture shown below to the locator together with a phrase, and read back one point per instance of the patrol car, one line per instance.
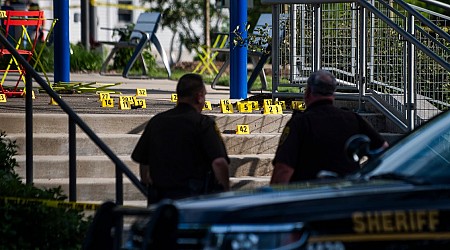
(399, 200)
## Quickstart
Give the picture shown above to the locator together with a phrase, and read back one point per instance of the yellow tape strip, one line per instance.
(48, 203)
(119, 6)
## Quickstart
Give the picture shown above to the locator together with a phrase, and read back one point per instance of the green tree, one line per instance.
(183, 16)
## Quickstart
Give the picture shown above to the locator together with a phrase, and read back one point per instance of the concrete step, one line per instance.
(103, 189)
(14, 123)
(123, 144)
(57, 166)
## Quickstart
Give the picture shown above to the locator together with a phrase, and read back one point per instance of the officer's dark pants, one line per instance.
(155, 195)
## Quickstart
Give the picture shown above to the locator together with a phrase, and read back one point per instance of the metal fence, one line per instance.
(394, 53)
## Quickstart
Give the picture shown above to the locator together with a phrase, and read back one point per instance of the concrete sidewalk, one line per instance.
(159, 89)
(158, 95)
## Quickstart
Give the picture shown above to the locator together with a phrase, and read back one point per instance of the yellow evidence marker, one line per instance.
(244, 107)
(140, 103)
(226, 106)
(255, 105)
(131, 99)
(242, 129)
(107, 103)
(141, 92)
(174, 98)
(267, 102)
(298, 105)
(2, 98)
(207, 106)
(103, 95)
(282, 103)
(273, 109)
(124, 103)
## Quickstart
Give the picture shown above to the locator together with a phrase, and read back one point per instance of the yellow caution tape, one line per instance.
(48, 203)
(119, 6)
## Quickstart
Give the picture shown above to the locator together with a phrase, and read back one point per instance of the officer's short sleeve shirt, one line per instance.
(315, 140)
(178, 145)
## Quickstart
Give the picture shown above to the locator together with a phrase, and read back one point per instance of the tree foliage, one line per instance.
(184, 18)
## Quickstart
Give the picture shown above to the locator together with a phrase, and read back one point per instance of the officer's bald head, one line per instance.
(322, 82)
(189, 85)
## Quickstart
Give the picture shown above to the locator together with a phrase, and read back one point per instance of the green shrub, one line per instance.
(46, 58)
(84, 60)
(34, 226)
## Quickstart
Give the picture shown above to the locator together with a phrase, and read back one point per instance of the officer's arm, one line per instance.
(281, 173)
(220, 168)
(144, 172)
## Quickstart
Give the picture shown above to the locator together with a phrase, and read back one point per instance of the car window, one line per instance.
(424, 154)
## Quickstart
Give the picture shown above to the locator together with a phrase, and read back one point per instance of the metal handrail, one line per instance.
(438, 4)
(424, 20)
(73, 119)
(410, 38)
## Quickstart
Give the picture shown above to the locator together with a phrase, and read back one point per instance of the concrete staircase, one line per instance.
(251, 154)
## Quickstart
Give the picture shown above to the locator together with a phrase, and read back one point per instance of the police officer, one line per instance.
(314, 141)
(181, 152)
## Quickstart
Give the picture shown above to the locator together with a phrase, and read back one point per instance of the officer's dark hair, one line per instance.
(189, 85)
(322, 82)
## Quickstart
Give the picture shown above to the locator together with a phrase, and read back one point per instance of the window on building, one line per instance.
(125, 15)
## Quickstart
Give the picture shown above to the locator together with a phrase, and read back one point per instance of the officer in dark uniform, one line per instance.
(181, 152)
(314, 141)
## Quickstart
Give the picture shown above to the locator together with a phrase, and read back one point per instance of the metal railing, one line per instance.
(390, 53)
(73, 120)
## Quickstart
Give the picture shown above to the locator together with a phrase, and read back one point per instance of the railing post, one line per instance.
(372, 46)
(410, 78)
(354, 39)
(72, 161)
(362, 58)
(119, 186)
(28, 128)
(293, 71)
(317, 37)
(275, 48)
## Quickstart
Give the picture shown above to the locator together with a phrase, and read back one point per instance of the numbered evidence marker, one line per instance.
(103, 95)
(131, 99)
(242, 129)
(255, 105)
(267, 102)
(207, 106)
(174, 98)
(244, 107)
(226, 107)
(124, 103)
(107, 103)
(140, 103)
(298, 105)
(141, 92)
(2, 98)
(282, 103)
(273, 109)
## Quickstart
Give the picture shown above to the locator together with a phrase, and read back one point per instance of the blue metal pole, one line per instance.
(238, 53)
(62, 43)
